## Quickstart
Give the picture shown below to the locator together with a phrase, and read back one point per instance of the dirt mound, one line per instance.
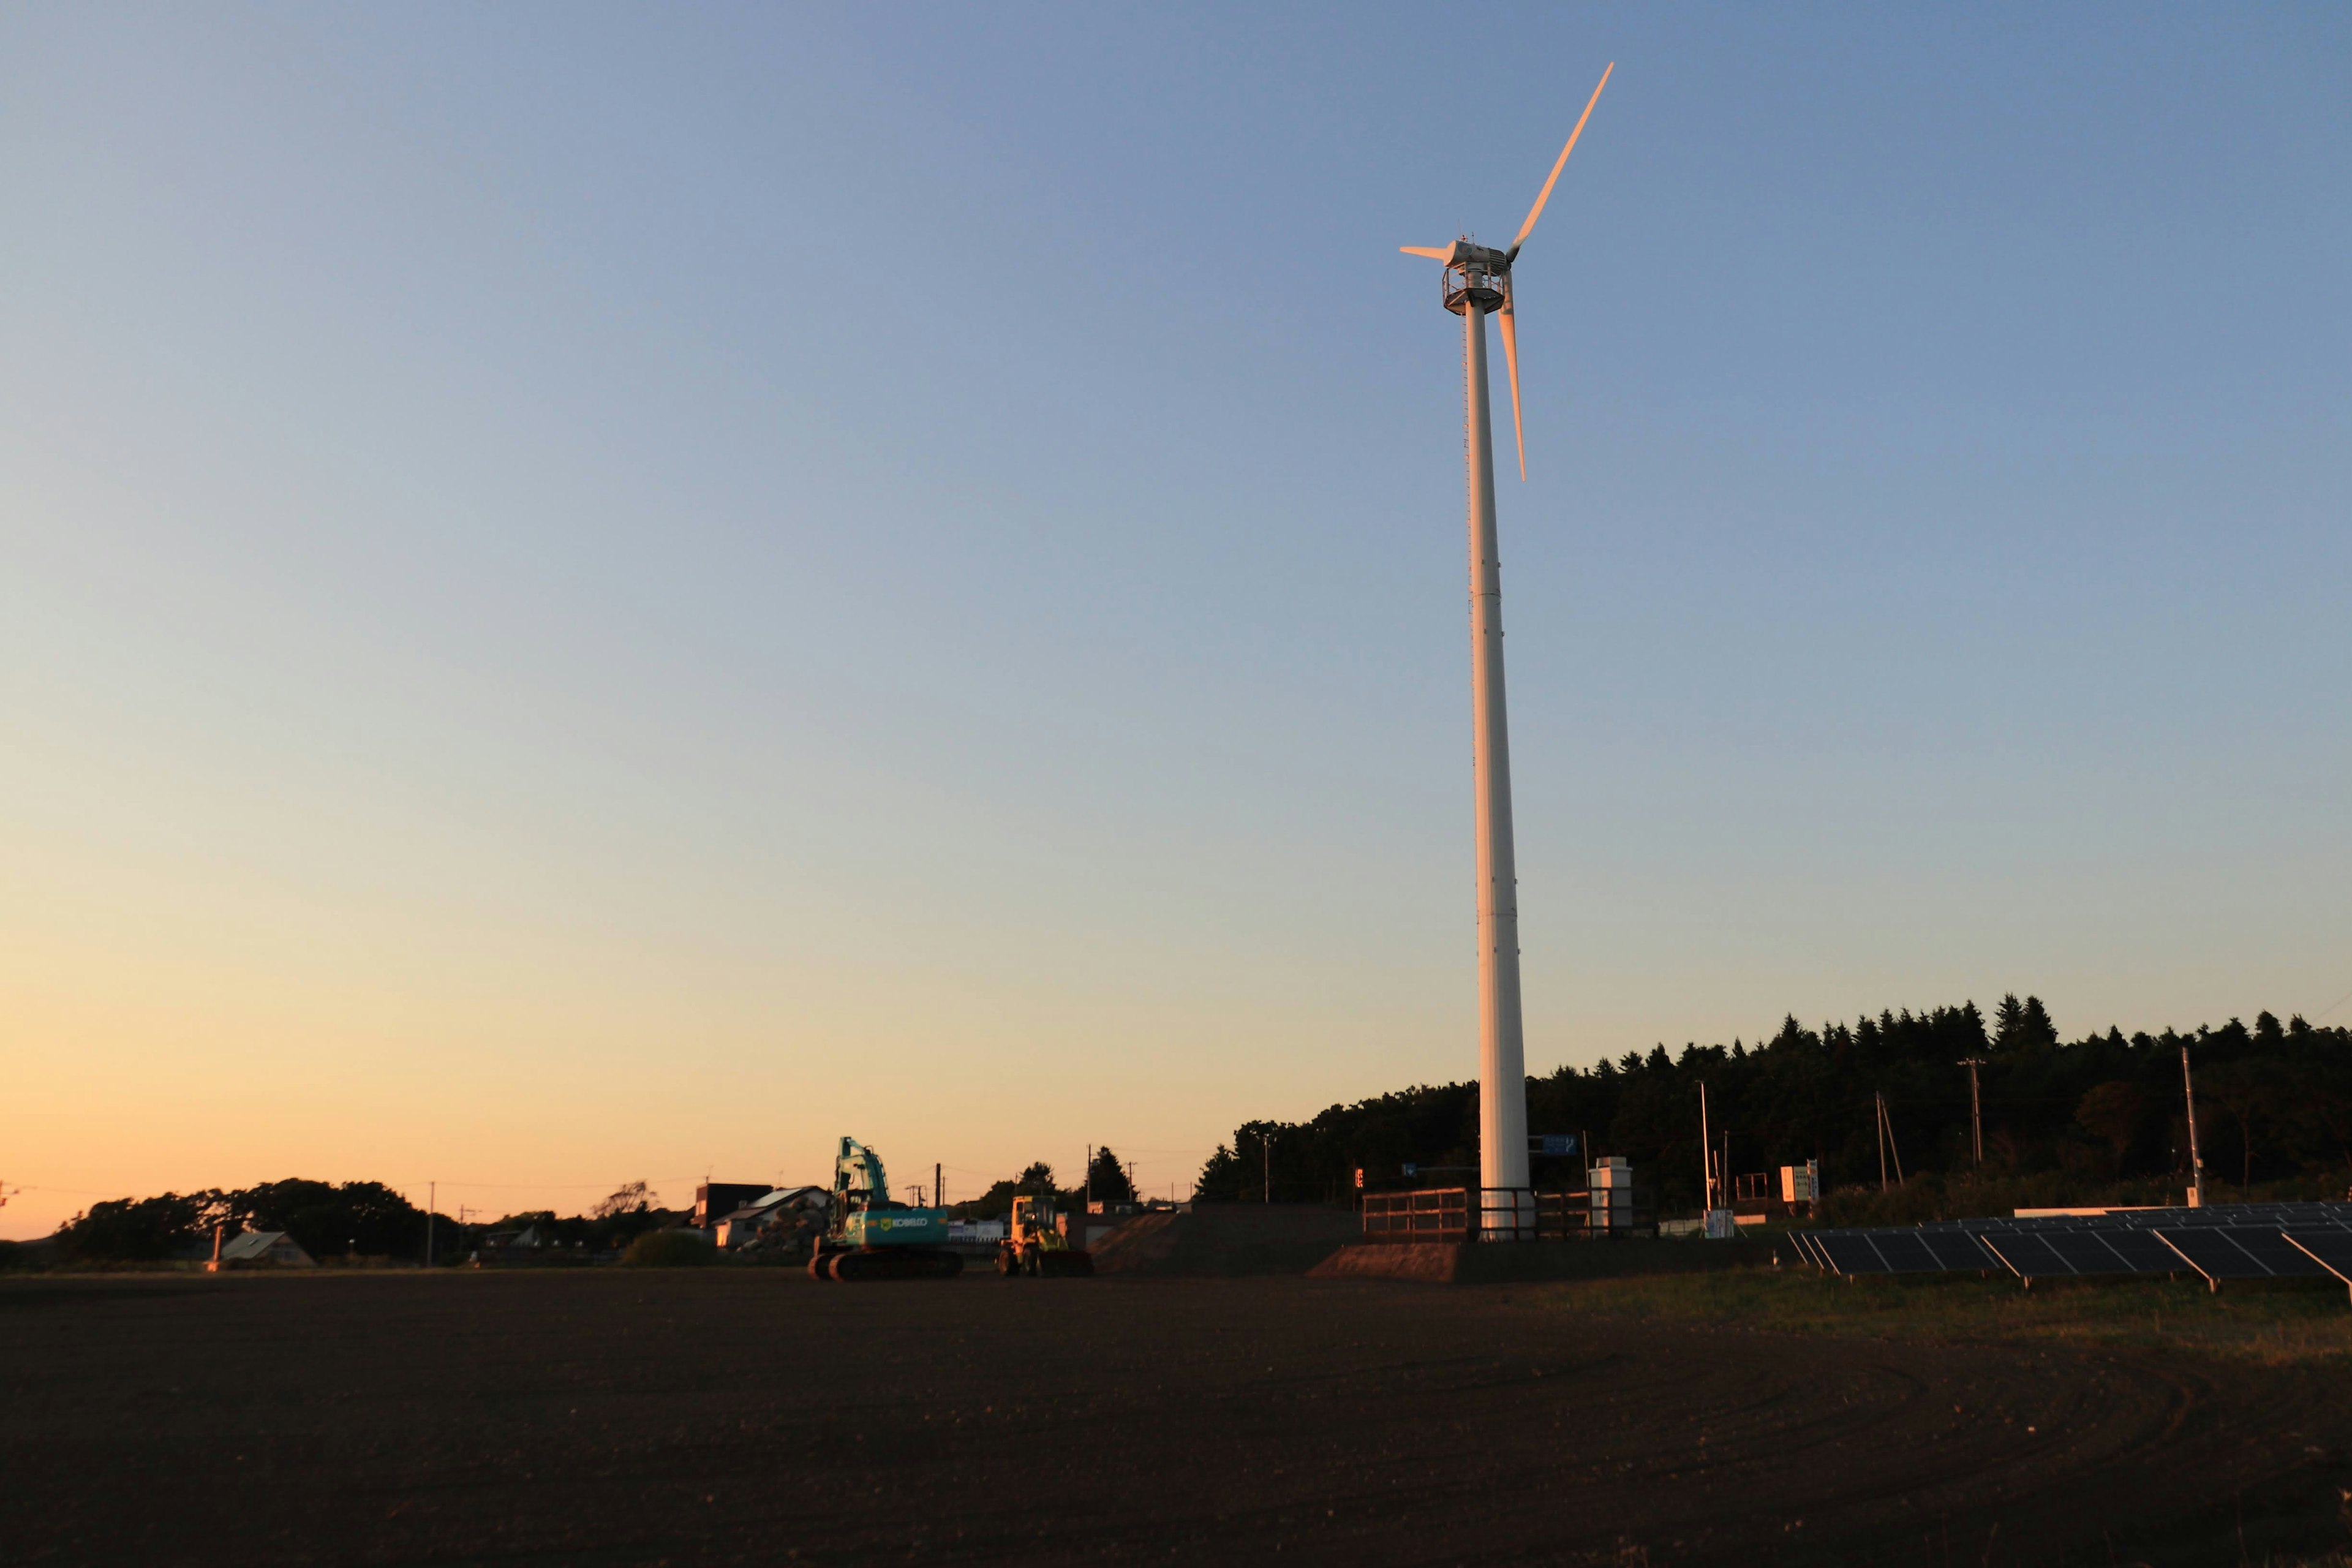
(1225, 1240)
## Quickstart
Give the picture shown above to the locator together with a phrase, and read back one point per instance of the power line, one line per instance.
(577, 1186)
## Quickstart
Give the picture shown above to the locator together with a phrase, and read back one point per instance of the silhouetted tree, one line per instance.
(131, 1230)
(1106, 1179)
(1807, 1093)
(2112, 1112)
(630, 1197)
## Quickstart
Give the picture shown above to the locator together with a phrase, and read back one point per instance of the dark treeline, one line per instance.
(2274, 1102)
(354, 1220)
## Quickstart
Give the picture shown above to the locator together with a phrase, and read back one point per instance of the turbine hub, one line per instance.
(1475, 275)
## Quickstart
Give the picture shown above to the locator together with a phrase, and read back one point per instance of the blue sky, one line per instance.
(613, 592)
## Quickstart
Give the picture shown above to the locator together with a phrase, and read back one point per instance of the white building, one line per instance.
(264, 1249)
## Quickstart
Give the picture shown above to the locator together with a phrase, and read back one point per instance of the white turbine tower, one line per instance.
(1477, 280)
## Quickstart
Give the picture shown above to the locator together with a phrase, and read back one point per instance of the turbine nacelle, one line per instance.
(1476, 275)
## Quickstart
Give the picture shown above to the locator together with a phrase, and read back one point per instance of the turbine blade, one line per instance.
(1535, 211)
(1504, 320)
(1445, 255)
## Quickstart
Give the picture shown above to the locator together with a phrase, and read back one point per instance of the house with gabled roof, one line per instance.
(262, 1249)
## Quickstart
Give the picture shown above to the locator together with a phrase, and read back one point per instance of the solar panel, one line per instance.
(1847, 1252)
(2115, 1250)
(2234, 1241)
(2027, 1256)
(2267, 1215)
(2331, 1249)
(1916, 1249)
(1907, 1252)
(1957, 1249)
(2241, 1252)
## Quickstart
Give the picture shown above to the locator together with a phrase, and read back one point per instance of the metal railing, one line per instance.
(1441, 1214)
(1501, 1213)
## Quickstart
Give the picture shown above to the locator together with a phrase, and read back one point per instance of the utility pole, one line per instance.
(1090, 1176)
(432, 1192)
(2196, 1159)
(1266, 1150)
(937, 1201)
(1975, 1107)
(1887, 1144)
(1878, 1100)
(1706, 1148)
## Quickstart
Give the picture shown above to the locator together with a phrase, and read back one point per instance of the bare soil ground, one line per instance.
(740, 1415)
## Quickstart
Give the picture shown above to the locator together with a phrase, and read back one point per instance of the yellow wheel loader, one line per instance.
(1037, 1244)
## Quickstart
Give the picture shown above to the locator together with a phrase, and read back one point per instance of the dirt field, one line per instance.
(725, 1415)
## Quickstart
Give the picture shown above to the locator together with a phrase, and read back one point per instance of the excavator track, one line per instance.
(863, 1265)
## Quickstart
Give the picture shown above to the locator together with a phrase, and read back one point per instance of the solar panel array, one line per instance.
(2235, 1241)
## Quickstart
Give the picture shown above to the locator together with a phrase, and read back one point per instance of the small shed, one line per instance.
(264, 1249)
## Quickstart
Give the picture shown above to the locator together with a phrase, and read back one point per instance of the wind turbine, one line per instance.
(1477, 280)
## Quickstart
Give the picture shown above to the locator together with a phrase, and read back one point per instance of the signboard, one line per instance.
(1412, 1170)
(1359, 1178)
(1552, 1144)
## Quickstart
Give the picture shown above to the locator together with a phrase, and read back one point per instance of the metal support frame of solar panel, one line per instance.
(2331, 1249)
(2242, 1252)
(1849, 1252)
(2053, 1254)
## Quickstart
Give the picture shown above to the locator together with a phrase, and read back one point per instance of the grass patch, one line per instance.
(2274, 1324)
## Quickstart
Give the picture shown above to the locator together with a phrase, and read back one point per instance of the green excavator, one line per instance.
(867, 1237)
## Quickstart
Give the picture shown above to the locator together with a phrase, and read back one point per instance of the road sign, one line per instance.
(1412, 1170)
(1359, 1177)
(1552, 1144)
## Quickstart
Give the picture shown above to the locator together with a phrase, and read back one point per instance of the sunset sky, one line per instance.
(598, 593)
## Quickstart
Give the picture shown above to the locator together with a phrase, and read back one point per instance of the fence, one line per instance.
(1438, 1215)
(1503, 1214)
